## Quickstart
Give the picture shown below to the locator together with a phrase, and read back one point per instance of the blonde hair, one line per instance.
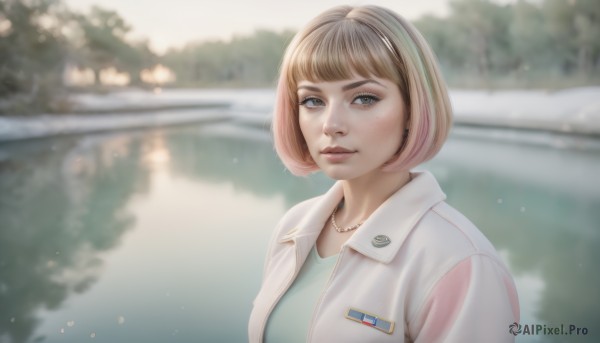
(368, 41)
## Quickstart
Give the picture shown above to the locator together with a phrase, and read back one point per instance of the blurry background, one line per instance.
(51, 47)
(139, 186)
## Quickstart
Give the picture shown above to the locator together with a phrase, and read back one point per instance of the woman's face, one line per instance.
(352, 127)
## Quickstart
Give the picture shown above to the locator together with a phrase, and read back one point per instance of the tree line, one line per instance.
(480, 43)
(541, 43)
(243, 61)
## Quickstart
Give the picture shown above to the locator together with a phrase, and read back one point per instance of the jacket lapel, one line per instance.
(396, 217)
(305, 233)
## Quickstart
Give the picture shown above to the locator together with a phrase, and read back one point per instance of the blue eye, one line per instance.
(311, 102)
(365, 100)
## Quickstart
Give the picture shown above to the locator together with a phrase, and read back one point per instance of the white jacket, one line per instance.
(437, 280)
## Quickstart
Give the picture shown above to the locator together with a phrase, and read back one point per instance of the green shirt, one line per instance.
(291, 316)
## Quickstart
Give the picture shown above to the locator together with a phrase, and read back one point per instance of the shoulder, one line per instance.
(294, 215)
(459, 225)
(451, 247)
(447, 235)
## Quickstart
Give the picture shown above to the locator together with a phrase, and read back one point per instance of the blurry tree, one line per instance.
(245, 60)
(531, 42)
(257, 57)
(32, 52)
(138, 57)
(482, 27)
(103, 43)
(447, 42)
(574, 27)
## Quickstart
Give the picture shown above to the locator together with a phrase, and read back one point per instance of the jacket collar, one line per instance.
(313, 221)
(395, 218)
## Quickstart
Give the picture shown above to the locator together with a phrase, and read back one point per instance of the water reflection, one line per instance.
(61, 204)
(67, 202)
(157, 235)
(243, 157)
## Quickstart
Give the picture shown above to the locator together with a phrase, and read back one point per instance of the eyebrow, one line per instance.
(360, 83)
(344, 88)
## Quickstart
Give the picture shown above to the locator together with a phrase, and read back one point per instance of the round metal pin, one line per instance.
(380, 241)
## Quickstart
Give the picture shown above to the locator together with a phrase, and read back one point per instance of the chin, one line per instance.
(339, 173)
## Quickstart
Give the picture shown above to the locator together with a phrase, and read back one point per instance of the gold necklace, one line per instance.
(339, 229)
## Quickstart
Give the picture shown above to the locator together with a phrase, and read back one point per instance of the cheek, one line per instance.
(303, 125)
(387, 130)
(306, 128)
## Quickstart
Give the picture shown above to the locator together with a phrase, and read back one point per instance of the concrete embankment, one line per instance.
(15, 128)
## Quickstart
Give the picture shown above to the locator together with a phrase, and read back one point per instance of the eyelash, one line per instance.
(372, 97)
(307, 99)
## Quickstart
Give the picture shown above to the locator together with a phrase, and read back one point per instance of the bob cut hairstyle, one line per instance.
(344, 42)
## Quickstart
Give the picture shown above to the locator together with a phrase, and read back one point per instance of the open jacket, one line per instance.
(429, 276)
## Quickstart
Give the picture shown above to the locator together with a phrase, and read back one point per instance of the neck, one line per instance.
(362, 196)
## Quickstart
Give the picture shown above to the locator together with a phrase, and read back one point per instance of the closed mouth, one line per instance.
(336, 150)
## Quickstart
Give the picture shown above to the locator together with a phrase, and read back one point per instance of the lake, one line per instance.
(159, 235)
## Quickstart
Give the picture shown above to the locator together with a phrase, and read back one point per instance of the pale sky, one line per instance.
(169, 23)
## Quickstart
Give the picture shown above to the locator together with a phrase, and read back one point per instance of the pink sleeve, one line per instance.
(475, 301)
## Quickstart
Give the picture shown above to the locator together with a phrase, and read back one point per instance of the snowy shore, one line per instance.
(575, 111)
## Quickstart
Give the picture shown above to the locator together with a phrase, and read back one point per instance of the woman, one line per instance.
(380, 257)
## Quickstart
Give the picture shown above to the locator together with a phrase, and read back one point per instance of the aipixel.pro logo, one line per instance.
(539, 329)
(515, 328)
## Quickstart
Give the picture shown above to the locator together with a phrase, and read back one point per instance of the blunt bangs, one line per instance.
(338, 51)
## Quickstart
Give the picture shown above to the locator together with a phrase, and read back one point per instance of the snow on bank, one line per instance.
(572, 111)
(15, 128)
(247, 99)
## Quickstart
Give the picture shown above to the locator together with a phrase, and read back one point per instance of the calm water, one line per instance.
(159, 235)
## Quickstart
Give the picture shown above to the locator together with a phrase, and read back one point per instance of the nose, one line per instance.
(334, 121)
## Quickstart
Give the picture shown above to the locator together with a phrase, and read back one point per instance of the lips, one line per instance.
(336, 150)
(337, 154)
